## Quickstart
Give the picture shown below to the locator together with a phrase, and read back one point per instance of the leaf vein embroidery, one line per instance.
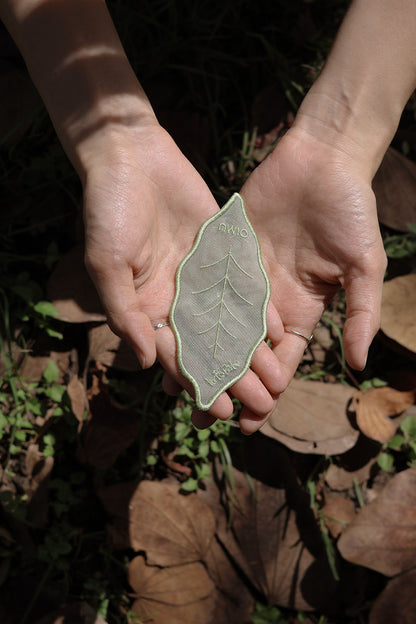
(221, 304)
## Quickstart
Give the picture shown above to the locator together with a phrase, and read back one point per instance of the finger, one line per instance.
(266, 365)
(117, 293)
(275, 329)
(363, 295)
(249, 422)
(166, 348)
(250, 391)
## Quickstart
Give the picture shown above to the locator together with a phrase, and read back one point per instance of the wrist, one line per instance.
(348, 124)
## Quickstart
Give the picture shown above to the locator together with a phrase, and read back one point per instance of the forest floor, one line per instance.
(114, 509)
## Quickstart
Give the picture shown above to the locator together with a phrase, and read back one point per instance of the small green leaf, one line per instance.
(181, 431)
(190, 485)
(203, 471)
(46, 308)
(215, 448)
(409, 426)
(385, 461)
(54, 334)
(49, 439)
(203, 449)
(203, 434)
(20, 435)
(396, 441)
(55, 393)
(51, 372)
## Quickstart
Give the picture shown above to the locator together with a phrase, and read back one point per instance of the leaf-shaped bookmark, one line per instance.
(219, 311)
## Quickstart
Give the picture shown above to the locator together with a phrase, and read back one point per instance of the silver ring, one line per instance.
(160, 325)
(296, 333)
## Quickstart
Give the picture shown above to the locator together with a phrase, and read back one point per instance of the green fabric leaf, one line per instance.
(219, 311)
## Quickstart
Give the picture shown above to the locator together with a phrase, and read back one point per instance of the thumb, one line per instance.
(363, 294)
(121, 303)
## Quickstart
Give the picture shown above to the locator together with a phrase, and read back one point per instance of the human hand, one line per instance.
(143, 206)
(314, 212)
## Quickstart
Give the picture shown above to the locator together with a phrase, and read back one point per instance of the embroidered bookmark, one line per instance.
(219, 311)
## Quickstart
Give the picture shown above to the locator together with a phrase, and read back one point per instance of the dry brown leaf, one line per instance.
(109, 431)
(107, 348)
(397, 602)
(395, 188)
(72, 292)
(180, 595)
(233, 602)
(78, 396)
(398, 318)
(33, 366)
(311, 417)
(353, 466)
(173, 529)
(383, 534)
(338, 512)
(374, 407)
(272, 544)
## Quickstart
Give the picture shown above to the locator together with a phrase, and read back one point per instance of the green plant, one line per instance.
(401, 245)
(401, 448)
(195, 447)
(268, 614)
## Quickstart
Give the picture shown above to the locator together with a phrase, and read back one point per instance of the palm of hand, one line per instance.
(142, 213)
(316, 220)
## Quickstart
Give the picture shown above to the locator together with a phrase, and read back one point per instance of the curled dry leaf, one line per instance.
(383, 534)
(78, 396)
(395, 188)
(398, 318)
(397, 602)
(311, 417)
(354, 465)
(180, 595)
(375, 406)
(173, 529)
(72, 292)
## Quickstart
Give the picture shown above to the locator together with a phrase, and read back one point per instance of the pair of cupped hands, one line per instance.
(315, 217)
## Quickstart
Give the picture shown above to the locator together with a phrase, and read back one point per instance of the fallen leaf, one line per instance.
(173, 529)
(107, 348)
(374, 407)
(311, 417)
(78, 396)
(338, 512)
(109, 431)
(383, 534)
(72, 291)
(233, 600)
(272, 544)
(397, 602)
(353, 466)
(398, 318)
(33, 366)
(394, 186)
(176, 595)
